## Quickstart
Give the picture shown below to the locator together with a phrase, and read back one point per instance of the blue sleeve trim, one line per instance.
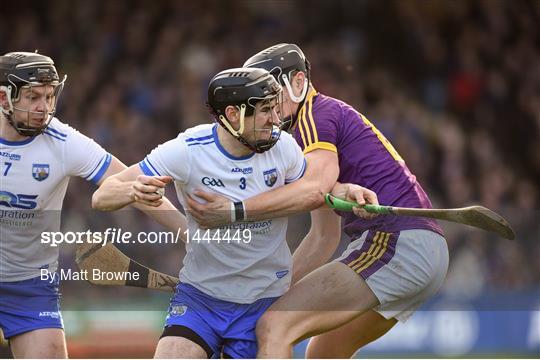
(302, 172)
(102, 170)
(145, 169)
(152, 166)
(95, 167)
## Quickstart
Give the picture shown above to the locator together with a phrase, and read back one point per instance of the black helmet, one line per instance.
(26, 69)
(279, 60)
(283, 61)
(244, 88)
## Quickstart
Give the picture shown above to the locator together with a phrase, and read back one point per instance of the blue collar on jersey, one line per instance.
(232, 157)
(17, 143)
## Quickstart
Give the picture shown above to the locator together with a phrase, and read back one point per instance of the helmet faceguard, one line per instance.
(21, 73)
(254, 93)
(283, 61)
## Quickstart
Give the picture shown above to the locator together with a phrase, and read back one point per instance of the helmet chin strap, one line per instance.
(296, 99)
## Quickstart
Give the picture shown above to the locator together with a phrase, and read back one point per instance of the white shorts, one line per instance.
(402, 269)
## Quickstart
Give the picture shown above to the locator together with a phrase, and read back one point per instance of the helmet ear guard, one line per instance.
(287, 82)
(225, 122)
(9, 110)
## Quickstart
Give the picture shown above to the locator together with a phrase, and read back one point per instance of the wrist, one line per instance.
(238, 212)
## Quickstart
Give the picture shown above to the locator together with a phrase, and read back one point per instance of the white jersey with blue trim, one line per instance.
(34, 175)
(224, 263)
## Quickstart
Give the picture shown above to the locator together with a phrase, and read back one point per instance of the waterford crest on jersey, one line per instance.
(235, 270)
(366, 158)
(34, 176)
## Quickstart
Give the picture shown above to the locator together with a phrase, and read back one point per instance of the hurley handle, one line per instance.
(344, 205)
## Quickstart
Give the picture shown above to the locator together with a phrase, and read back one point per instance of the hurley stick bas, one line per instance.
(476, 216)
(108, 259)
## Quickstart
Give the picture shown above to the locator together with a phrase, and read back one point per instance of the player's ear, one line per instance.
(3, 99)
(298, 82)
(233, 114)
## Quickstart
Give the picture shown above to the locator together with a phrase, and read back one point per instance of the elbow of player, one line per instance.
(96, 203)
(99, 204)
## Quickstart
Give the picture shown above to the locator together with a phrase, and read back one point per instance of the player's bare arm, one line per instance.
(303, 195)
(131, 187)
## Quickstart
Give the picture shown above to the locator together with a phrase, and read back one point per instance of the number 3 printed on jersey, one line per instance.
(242, 183)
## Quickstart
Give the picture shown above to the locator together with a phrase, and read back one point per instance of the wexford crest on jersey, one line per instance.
(40, 171)
(270, 177)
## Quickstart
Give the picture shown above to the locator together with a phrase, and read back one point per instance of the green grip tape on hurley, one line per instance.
(344, 205)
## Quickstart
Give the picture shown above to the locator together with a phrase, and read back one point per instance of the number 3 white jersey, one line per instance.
(224, 263)
(34, 176)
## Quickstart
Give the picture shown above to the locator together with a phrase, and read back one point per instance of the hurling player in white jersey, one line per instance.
(38, 154)
(231, 275)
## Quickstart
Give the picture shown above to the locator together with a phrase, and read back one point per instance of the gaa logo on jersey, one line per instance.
(40, 171)
(270, 177)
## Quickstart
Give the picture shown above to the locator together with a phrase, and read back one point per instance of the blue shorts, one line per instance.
(29, 305)
(225, 326)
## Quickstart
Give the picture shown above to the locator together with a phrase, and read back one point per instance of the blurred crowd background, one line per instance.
(454, 85)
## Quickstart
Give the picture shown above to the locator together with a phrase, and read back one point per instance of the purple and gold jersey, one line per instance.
(365, 158)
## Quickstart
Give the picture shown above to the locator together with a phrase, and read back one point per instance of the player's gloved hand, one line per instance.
(214, 213)
(359, 194)
(149, 190)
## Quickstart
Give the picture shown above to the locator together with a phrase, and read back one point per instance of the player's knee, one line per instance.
(319, 349)
(57, 351)
(269, 328)
(52, 350)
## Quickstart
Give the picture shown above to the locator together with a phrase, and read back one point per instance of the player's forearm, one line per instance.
(113, 194)
(301, 196)
(306, 194)
(167, 215)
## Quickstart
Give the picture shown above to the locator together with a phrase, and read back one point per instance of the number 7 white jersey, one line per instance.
(34, 175)
(222, 262)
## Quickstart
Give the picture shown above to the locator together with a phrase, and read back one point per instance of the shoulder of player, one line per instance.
(198, 135)
(321, 108)
(328, 109)
(58, 131)
(284, 144)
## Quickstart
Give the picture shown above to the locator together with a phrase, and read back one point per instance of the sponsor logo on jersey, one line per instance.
(40, 171)
(270, 177)
(282, 273)
(244, 171)
(212, 182)
(13, 157)
(19, 201)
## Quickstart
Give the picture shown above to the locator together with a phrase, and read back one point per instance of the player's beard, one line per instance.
(25, 128)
